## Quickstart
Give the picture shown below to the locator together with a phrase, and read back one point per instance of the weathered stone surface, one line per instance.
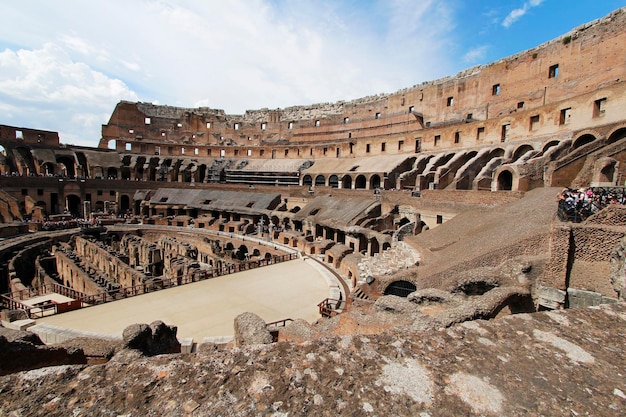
(429, 295)
(250, 329)
(298, 331)
(561, 363)
(14, 315)
(20, 336)
(155, 339)
(394, 304)
(20, 354)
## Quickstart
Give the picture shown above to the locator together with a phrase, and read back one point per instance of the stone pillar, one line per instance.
(86, 209)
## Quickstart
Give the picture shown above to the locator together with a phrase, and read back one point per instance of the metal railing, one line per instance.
(329, 307)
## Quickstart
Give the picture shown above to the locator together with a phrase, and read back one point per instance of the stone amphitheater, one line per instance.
(399, 254)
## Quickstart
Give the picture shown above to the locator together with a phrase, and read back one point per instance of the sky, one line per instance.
(65, 64)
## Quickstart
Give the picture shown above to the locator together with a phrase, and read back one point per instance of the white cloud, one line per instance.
(475, 54)
(516, 14)
(235, 55)
(46, 85)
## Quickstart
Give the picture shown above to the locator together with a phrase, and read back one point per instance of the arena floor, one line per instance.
(207, 308)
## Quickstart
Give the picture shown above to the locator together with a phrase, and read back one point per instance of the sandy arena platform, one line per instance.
(207, 308)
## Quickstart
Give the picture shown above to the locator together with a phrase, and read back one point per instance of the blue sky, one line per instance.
(64, 64)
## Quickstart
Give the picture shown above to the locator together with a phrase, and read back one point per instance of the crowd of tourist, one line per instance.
(576, 205)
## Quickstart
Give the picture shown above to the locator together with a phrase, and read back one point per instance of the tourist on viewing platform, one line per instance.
(578, 205)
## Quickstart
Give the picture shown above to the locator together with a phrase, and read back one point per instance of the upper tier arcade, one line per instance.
(571, 83)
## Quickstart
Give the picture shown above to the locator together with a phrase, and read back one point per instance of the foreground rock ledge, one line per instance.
(568, 362)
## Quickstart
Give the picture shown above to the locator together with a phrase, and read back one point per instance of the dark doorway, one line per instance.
(400, 288)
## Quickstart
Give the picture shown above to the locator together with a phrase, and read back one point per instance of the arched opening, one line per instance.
(333, 181)
(346, 182)
(607, 173)
(360, 183)
(619, 134)
(374, 182)
(48, 168)
(307, 180)
(112, 144)
(125, 173)
(242, 252)
(83, 168)
(124, 203)
(505, 181)
(112, 174)
(549, 145)
(320, 181)
(583, 140)
(519, 152)
(374, 247)
(67, 166)
(400, 288)
(73, 205)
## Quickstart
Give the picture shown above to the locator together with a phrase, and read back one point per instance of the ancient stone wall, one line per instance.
(527, 93)
(73, 273)
(142, 254)
(109, 262)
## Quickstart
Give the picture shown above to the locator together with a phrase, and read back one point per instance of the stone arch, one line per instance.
(549, 145)
(617, 134)
(505, 180)
(346, 182)
(496, 153)
(26, 161)
(320, 181)
(67, 165)
(374, 182)
(126, 173)
(48, 168)
(521, 150)
(374, 247)
(72, 202)
(584, 138)
(242, 251)
(124, 203)
(275, 220)
(360, 183)
(307, 180)
(333, 181)
(112, 173)
(400, 288)
(607, 173)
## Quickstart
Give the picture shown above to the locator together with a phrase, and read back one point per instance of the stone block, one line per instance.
(581, 298)
(186, 344)
(19, 324)
(551, 297)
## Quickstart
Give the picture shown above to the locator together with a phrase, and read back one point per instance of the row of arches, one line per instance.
(346, 181)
